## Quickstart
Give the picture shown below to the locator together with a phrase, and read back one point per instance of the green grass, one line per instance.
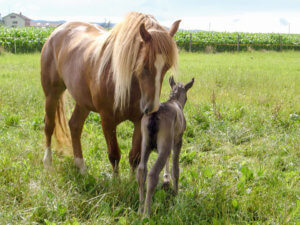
(239, 162)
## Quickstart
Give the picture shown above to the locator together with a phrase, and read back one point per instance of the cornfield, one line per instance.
(21, 40)
(30, 39)
(224, 41)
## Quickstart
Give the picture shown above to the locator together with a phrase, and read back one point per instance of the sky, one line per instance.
(263, 16)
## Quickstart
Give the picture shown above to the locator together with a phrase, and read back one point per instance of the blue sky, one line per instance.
(227, 15)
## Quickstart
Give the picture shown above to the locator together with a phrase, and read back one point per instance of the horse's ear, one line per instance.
(174, 28)
(189, 85)
(171, 81)
(144, 33)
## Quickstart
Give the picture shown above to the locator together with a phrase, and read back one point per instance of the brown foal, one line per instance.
(162, 130)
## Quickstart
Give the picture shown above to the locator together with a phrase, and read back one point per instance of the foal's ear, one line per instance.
(174, 28)
(189, 85)
(171, 81)
(144, 33)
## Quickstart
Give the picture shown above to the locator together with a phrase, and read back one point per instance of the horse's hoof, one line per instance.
(79, 163)
(83, 171)
(47, 160)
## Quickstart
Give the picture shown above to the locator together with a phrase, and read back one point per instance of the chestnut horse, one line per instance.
(116, 73)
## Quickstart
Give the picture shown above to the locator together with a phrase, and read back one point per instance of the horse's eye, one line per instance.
(146, 69)
(145, 72)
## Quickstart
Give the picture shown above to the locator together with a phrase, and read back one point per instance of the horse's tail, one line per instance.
(61, 130)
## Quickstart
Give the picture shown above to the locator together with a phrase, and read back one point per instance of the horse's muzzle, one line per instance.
(147, 108)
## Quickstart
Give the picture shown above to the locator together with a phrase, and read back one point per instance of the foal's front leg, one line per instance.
(135, 152)
(167, 174)
(175, 168)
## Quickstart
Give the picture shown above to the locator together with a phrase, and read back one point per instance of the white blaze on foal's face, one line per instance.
(159, 65)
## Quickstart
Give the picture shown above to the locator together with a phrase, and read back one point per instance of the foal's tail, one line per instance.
(61, 130)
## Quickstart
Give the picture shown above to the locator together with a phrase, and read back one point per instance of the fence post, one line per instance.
(15, 45)
(238, 43)
(280, 38)
(190, 43)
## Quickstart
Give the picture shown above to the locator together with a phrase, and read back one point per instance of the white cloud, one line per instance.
(248, 22)
(201, 15)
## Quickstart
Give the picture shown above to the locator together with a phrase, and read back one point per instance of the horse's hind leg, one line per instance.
(50, 109)
(76, 124)
(53, 88)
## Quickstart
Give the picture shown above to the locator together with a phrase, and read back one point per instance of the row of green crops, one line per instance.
(31, 39)
(224, 41)
(20, 40)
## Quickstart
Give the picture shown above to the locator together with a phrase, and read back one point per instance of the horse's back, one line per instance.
(71, 38)
(66, 59)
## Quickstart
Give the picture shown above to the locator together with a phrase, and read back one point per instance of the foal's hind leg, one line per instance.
(142, 172)
(76, 124)
(164, 150)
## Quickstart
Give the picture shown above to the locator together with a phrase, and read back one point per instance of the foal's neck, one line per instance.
(176, 101)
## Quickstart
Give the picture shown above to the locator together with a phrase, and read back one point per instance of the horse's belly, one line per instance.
(76, 85)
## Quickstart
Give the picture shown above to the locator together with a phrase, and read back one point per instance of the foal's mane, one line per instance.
(121, 50)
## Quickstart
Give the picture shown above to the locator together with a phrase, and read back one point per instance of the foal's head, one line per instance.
(179, 90)
(158, 53)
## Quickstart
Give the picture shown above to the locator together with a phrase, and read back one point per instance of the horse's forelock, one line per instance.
(124, 52)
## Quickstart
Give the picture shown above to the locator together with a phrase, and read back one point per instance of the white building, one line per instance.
(16, 20)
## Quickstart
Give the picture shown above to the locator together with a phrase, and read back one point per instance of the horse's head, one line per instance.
(158, 53)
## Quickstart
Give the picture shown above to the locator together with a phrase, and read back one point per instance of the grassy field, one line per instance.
(239, 162)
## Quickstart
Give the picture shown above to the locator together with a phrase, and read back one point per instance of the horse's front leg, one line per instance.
(109, 130)
(135, 153)
(76, 124)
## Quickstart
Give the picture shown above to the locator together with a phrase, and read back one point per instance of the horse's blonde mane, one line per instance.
(122, 51)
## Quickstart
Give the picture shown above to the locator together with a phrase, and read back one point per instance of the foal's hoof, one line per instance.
(166, 186)
(141, 210)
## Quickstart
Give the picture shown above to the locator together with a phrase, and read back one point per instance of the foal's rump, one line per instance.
(160, 123)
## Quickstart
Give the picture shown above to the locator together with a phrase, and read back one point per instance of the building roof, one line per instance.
(20, 15)
(44, 24)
